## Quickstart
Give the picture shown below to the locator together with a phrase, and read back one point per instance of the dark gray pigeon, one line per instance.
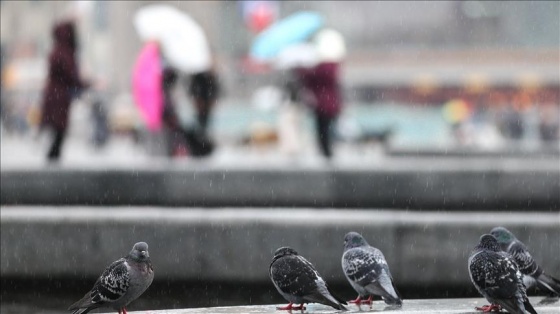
(367, 271)
(533, 274)
(298, 282)
(496, 276)
(121, 283)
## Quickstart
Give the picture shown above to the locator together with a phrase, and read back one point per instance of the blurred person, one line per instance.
(204, 89)
(510, 121)
(549, 122)
(322, 94)
(290, 117)
(193, 140)
(63, 85)
(514, 124)
(457, 112)
(99, 117)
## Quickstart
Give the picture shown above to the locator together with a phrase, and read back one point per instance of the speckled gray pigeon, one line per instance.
(121, 283)
(367, 271)
(533, 274)
(298, 282)
(496, 276)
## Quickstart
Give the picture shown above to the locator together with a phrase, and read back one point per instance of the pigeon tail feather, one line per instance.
(512, 306)
(325, 296)
(328, 300)
(529, 307)
(546, 282)
(84, 305)
(83, 310)
(391, 300)
(337, 297)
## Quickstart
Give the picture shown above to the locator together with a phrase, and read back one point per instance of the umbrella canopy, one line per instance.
(183, 42)
(293, 29)
(146, 85)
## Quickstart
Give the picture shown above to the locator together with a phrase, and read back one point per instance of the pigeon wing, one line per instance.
(524, 260)
(294, 275)
(362, 266)
(507, 277)
(112, 284)
(317, 290)
(367, 270)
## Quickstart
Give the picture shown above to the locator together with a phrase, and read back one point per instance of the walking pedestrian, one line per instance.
(323, 95)
(63, 85)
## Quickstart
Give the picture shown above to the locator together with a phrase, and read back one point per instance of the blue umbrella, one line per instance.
(291, 30)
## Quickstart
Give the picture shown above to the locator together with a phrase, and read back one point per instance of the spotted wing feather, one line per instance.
(367, 271)
(112, 284)
(294, 275)
(524, 260)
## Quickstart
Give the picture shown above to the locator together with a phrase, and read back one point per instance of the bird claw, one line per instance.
(359, 301)
(290, 307)
(489, 308)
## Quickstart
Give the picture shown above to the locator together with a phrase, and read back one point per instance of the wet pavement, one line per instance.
(430, 306)
(447, 306)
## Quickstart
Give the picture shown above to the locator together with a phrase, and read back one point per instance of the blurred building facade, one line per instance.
(372, 29)
(421, 52)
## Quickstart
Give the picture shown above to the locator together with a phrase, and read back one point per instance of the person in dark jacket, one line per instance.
(204, 89)
(322, 85)
(63, 85)
(198, 144)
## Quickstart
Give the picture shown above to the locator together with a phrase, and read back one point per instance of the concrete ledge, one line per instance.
(552, 151)
(425, 250)
(434, 306)
(454, 184)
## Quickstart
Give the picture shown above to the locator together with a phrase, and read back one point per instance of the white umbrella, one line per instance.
(182, 40)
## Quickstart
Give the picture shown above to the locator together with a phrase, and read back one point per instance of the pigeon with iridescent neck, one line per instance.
(533, 274)
(121, 283)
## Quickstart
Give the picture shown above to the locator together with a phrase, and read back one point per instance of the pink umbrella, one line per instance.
(146, 85)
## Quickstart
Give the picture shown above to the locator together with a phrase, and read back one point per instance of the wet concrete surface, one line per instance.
(431, 306)
(448, 306)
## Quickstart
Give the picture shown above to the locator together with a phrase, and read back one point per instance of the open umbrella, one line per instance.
(291, 30)
(146, 85)
(182, 40)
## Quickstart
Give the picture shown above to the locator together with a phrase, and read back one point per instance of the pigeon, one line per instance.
(299, 282)
(533, 274)
(367, 271)
(121, 283)
(496, 276)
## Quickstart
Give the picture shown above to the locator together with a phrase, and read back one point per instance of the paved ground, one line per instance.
(412, 128)
(433, 306)
(443, 306)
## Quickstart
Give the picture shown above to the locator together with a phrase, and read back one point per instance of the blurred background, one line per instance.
(498, 59)
(449, 125)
